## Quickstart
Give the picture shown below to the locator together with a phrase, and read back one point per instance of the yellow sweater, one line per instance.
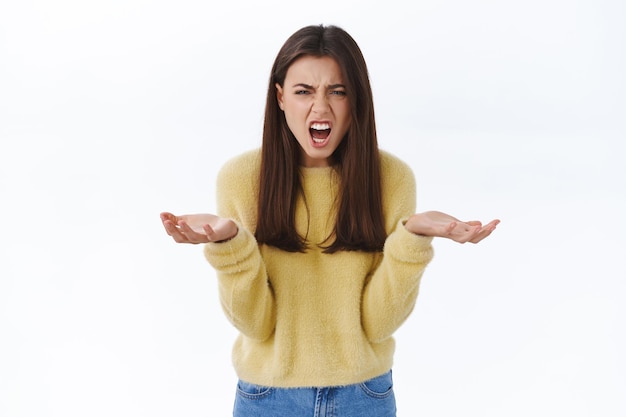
(315, 319)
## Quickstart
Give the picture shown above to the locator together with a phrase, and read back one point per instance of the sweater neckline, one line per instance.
(316, 170)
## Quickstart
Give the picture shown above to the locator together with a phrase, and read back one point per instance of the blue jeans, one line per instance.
(372, 398)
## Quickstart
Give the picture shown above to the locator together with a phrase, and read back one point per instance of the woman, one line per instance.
(317, 248)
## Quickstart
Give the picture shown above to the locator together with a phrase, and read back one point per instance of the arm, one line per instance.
(244, 290)
(245, 293)
(390, 295)
(391, 291)
(231, 249)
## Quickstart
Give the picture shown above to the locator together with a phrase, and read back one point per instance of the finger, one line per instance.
(192, 235)
(450, 228)
(460, 234)
(474, 223)
(175, 233)
(465, 233)
(493, 223)
(486, 231)
(210, 233)
(481, 236)
(168, 216)
(170, 227)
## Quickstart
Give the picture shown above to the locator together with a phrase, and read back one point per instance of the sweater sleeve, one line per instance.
(391, 290)
(245, 293)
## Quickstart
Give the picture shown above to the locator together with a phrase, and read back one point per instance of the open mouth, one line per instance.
(319, 132)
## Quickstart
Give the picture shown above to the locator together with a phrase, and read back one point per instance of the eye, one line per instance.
(338, 93)
(301, 92)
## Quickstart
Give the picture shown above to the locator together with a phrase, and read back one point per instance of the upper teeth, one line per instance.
(320, 126)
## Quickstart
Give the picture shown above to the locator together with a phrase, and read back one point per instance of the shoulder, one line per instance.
(240, 170)
(398, 189)
(239, 176)
(393, 169)
(237, 188)
(244, 163)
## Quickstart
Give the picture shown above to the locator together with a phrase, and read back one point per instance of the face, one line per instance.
(316, 107)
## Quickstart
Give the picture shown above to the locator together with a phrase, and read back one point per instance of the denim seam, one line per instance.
(374, 394)
(256, 396)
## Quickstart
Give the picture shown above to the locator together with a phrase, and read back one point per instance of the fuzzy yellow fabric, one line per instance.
(315, 319)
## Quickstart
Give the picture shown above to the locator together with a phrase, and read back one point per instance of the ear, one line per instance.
(279, 96)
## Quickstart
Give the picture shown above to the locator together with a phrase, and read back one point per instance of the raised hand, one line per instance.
(198, 228)
(438, 224)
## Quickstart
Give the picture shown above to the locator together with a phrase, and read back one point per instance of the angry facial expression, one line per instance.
(317, 110)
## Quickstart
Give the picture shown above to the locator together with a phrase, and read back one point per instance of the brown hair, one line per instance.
(359, 224)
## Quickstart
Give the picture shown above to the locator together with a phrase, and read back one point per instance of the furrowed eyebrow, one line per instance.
(310, 87)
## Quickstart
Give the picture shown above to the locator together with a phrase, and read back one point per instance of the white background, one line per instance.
(111, 112)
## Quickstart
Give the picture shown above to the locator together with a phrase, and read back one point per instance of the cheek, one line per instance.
(296, 117)
(342, 110)
(292, 120)
(296, 127)
(346, 117)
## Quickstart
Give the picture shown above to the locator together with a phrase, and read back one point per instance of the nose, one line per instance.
(320, 104)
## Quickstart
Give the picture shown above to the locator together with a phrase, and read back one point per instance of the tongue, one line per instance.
(320, 134)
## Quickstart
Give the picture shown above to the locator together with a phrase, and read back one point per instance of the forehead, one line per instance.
(314, 70)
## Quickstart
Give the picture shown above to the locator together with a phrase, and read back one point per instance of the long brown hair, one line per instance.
(359, 224)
